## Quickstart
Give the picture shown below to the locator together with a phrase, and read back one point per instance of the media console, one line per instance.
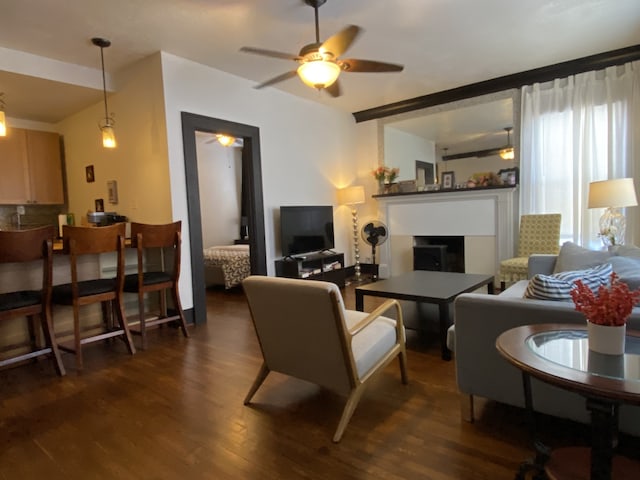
(328, 267)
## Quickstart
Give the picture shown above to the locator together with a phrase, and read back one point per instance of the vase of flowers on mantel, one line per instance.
(607, 312)
(385, 177)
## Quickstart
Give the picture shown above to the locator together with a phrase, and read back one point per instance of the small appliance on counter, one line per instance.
(101, 219)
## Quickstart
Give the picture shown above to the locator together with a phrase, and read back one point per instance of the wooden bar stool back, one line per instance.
(80, 242)
(154, 275)
(30, 246)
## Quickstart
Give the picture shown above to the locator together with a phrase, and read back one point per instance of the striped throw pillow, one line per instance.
(558, 286)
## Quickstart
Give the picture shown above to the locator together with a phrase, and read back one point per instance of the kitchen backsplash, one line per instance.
(34, 215)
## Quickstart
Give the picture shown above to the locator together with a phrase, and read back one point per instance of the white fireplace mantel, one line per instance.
(487, 218)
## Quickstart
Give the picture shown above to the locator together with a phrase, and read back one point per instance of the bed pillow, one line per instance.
(559, 285)
(574, 257)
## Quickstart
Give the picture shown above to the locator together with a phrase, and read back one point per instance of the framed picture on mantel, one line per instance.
(448, 180)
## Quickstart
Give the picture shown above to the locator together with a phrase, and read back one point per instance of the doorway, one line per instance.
(251, 166)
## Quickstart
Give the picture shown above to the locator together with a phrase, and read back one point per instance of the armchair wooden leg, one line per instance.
(466, 407)
(349, 408)
(402, 357)
(262, 374)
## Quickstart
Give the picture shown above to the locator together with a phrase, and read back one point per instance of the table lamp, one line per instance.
(353, 196)
(612, 195)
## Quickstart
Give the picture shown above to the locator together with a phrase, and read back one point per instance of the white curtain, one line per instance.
(574, 131)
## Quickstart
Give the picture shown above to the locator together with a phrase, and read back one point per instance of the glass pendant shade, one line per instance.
(3, 124)
(108, 136)
(319, 73)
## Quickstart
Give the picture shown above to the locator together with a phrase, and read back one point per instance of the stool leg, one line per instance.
(76, 335)
(122, 319)
(141, 315)
(50, 338)
(178, 306)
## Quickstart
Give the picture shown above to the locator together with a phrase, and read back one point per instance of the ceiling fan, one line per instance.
(319, 63)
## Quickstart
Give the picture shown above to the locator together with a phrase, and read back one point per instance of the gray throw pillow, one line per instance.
(575, 257)
(559, 285)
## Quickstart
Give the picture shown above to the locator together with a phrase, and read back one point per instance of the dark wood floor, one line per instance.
(175, 411)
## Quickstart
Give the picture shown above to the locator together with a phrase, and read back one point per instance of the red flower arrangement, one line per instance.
(611, 306)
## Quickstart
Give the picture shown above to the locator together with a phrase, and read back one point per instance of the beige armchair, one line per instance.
(539, 233)
(305, 331)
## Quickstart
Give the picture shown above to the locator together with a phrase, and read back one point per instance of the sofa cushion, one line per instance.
(559, 285)
(575, 257)
(627, 269)
(625, 251)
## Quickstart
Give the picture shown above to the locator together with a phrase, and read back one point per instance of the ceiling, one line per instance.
(441, 43)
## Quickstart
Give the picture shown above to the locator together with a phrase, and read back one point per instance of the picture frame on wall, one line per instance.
(448, 180)
(89, 174)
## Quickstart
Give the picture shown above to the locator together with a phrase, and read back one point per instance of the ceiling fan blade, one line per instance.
(355, 65)
(270, 53)
(341, 41)
(279, 78)
(334, 89)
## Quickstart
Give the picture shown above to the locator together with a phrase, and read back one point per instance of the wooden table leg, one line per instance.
(359, 301)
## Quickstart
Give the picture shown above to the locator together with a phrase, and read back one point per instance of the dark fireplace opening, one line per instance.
(438, 253)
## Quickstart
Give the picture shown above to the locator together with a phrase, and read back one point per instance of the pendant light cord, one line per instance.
(104, 87)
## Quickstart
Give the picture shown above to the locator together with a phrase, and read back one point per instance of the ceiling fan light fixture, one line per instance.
(508, 153)
(225, 140)
(319, 73)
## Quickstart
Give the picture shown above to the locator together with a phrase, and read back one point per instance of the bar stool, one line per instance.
(155, 276)
(86, 289)
(23, 247)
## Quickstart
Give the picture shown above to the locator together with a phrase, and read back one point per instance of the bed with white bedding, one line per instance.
(226, 265)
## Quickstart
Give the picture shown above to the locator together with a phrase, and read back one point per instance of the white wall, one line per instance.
(402, 149)
(307, 149)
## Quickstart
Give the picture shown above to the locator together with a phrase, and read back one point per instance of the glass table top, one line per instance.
(569, 348)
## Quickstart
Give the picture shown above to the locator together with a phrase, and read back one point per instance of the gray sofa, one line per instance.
(480, 318)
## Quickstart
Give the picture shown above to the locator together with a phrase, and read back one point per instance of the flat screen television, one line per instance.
(305, 229)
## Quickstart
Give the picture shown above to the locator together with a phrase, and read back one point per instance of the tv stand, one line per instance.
(328, 267)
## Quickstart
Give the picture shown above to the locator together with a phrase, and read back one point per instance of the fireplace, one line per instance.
(438, 253)
(485, 219)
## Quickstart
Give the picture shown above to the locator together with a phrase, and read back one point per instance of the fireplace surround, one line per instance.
(487, 220)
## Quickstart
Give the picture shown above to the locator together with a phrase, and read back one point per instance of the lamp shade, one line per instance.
(319, 73)
(351, 195)
(615, 193)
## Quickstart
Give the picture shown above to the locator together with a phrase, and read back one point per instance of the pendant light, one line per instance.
(106, 126)
(3, 120)
(508, 153)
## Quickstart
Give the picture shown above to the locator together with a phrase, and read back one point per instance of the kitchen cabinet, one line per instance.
(31, 167)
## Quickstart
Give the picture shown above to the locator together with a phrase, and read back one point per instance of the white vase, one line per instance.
(606, 339)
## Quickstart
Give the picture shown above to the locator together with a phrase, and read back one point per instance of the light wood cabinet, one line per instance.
(31, 168)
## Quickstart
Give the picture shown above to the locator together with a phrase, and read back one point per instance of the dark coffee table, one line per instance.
(439, 288)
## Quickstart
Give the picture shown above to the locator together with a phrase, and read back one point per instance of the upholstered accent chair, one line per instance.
(306, 332)
(539, 233)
